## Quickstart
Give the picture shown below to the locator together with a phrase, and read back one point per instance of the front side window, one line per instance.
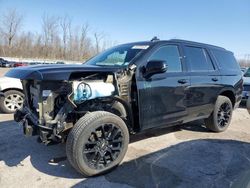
(198, 59)
(169, 54)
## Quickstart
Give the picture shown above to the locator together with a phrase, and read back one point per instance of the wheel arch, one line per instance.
(230, 93)
(129, 113)
(15, 89)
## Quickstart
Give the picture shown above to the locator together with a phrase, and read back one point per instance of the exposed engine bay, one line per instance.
(51, 108)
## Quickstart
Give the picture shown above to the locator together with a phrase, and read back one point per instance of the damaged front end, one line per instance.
(52, 106)
(46, 108)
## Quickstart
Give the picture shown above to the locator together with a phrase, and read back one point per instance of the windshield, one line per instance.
(247, 74)
(118, 56)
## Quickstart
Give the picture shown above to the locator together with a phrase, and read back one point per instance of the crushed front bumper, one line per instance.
(31, 126)
(25, 119)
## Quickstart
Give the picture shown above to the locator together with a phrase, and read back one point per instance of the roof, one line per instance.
(177, 41)
(196, 43)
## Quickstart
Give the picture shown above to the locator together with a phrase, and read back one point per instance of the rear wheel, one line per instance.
(97, 143)
(221, 117)
(12, 101)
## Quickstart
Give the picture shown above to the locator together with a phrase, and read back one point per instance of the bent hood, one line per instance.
(54, 72)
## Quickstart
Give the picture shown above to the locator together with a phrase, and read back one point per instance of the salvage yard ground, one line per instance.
(182, 156)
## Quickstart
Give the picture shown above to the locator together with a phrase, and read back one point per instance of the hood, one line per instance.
(54, 72)
(246, 80)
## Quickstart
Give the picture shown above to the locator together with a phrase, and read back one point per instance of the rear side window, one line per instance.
(198, 59)
(170, 54)
(226, 60)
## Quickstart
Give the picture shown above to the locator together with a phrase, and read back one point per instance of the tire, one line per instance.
(221, 117)
(90, 151)
(12, 101)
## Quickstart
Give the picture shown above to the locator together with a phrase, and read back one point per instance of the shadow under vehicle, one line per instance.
(125, 90)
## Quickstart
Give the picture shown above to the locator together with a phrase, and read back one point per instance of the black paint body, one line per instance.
(164, 99)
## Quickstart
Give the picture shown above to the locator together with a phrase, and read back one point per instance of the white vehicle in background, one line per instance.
(11, 96)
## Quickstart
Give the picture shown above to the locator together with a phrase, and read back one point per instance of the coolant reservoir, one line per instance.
(91, 90)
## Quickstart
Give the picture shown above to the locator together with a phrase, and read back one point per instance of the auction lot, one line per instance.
(182, 156)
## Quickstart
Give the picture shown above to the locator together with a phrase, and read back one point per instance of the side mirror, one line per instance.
(154, 67)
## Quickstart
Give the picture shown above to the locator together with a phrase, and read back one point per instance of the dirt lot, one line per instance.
(182, 156)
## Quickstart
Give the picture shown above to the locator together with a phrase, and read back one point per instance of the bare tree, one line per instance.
(244, 62)
(58, 39)
(11, 23)
(65, 24)
(98, 38)
(85, 42)
(50, 31)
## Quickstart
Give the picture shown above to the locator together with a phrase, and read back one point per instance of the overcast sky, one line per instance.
(220, 22)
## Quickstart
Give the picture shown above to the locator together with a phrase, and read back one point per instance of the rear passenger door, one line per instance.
(205, 82)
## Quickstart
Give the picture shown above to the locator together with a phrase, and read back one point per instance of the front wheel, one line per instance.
(221, 117)
(97, 143)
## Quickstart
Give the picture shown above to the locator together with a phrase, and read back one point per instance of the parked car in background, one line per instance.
(129, 88)
(1, 61)
(246, 85)
(34, 63)
(19, 64)
(243, 70)
(6, 64)
(60, 62)
(11, 94)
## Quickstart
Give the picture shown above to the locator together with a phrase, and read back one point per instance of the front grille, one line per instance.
(246, 87)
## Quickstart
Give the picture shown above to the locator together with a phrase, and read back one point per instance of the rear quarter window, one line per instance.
(226, 60)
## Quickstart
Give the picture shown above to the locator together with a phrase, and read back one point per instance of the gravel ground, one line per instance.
(182, 156)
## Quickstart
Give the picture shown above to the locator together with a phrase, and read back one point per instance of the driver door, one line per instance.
(162, 97)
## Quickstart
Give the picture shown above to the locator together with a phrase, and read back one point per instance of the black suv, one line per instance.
(125, 90)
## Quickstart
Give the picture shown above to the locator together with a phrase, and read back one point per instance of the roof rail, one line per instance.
(154, 39)
(198, 43)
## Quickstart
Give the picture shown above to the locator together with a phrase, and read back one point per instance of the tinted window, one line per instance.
(226, 60)
(170, 54)
(198, 59)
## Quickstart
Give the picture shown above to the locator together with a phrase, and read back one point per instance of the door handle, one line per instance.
(215, 79)
(182, 81)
